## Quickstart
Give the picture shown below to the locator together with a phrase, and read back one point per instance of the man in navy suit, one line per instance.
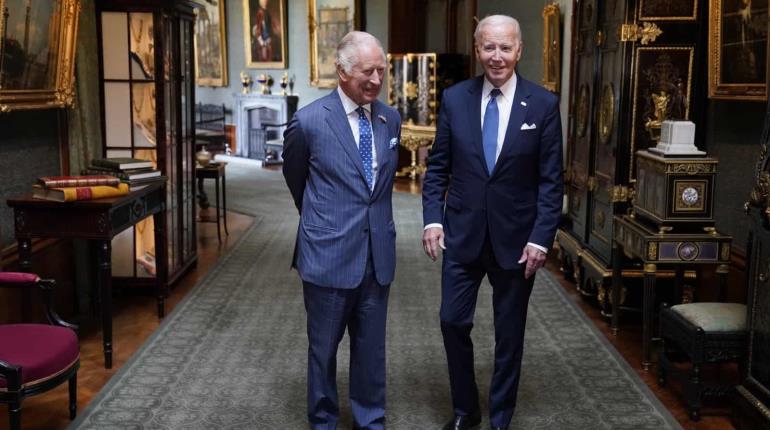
(492, 196)
(339, 160)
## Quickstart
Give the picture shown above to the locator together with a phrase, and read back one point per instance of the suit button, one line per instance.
(366, 230)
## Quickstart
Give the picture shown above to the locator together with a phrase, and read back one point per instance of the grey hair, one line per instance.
(346, 54)
(497, 20)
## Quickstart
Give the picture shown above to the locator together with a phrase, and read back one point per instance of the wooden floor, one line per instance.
(135, 320)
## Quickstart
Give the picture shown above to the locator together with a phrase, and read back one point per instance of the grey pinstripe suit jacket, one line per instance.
(340, 219)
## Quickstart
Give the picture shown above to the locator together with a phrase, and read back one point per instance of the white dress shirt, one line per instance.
(504, 105)
(350, 110)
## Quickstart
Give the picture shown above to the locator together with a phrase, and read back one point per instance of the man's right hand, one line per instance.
(432, 240)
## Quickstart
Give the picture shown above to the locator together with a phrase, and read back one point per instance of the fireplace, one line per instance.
(261, 119)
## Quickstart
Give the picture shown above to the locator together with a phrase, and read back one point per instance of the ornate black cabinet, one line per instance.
(636, 63)
(752, 405)
(147, 92)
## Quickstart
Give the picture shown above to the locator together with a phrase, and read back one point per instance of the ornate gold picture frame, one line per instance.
(265, 34)
(211, 44)
(328, 21)
(738, 49)
(552, 47)
(37, 53)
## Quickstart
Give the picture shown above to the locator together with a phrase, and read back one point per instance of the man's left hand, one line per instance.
(534, 259)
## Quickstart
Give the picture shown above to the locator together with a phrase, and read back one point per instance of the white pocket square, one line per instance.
(526, 126)
(393, 142)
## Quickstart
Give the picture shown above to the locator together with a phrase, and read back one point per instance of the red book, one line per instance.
(77, 181)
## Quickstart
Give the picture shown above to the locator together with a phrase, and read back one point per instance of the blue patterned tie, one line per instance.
(489, 131)
(365, 145)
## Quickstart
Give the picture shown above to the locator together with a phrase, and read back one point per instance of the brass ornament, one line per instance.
(591, 184)
(599, 219)
(648, 32)
(652, 124)
(619, 194)
(606, 114)
(652, 251)
(582, 111)
(691, 168)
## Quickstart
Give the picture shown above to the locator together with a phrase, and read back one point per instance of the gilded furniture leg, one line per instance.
(104, 281)
(161, 262)
(648, 312)
(617, 284)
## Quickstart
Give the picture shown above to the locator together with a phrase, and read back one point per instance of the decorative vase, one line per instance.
(203, 157)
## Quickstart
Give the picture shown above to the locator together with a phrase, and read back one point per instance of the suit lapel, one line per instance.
(380, 130)
(338, 122)
(518, 114)
(474, 115)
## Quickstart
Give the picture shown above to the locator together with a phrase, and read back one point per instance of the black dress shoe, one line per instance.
(463, 422)
(499, 428)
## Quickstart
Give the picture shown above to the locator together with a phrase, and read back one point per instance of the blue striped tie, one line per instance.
(365, 145)
(489, 131)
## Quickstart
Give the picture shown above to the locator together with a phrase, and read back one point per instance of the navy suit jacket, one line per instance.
(521, 200)
(340, 219)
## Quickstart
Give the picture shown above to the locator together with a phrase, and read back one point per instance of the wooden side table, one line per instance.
(97, 221)
(216, 171)
(634, 239)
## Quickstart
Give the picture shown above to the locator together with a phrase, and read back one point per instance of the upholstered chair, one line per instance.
(35, 358)
(701, 333)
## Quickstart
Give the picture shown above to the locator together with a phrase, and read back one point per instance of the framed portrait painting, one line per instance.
(738, 49)
(329, 21)
(37, 53)
(211, 44)
(265, 33)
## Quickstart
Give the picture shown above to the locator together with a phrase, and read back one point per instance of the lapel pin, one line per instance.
(523, 103)
(383, 119)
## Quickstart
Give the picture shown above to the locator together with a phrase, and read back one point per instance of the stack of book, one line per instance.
(71, 188)
(134, 172)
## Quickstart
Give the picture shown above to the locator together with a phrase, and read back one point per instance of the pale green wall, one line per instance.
(376, 23)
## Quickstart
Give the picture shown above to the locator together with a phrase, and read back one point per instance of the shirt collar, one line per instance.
(349, 105)
(508, 88)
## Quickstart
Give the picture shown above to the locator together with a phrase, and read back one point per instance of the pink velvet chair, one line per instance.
(35, 358)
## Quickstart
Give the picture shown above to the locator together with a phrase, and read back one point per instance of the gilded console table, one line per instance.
(634, 239)
(414, 137)
(97, 221)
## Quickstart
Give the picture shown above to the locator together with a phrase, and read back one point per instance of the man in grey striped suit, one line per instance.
(340, 156)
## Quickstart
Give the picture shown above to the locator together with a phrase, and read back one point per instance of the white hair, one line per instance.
(497, 20)
(346, 55)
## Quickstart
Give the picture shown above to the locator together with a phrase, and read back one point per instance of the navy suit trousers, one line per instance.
(510, 297)
(363, 311)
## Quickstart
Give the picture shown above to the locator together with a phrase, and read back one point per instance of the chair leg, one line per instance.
(14, 412)
(662, 364)
(73, 386)
(693, 393)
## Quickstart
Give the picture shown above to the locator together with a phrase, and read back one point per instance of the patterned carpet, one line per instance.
(233, 354)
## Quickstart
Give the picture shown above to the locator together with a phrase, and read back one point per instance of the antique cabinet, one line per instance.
(752, 404)
(147, 91)
(415, 85)
(636, 63)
